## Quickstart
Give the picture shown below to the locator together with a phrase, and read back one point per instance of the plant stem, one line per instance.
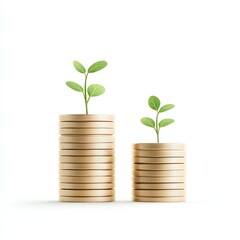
(157, 128)
(85, 93)
(158, 136)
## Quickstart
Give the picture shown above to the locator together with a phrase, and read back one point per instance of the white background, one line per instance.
(185, 52)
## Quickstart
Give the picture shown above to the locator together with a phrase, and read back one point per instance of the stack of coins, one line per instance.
(159, 172)
(86, 158)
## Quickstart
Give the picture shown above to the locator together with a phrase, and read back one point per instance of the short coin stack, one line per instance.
(86, 158)
(159, 172)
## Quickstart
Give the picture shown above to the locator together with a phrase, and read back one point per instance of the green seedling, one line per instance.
(155, 103)
(92, 90)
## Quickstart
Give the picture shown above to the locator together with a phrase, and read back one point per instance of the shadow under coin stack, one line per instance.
(86, 158)
(159, 172)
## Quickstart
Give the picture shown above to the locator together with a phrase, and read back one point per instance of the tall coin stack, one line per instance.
(159, 172)
(86, 158)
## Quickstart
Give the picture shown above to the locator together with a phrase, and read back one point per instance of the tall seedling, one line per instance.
(92, 90)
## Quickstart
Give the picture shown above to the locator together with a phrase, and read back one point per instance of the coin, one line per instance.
(86, 152)
(158, 160)
(173, 173)
(92, 125)
(158, 199)
(159, 179)
(86, 199)
(86, 118)
(87, 131)
(86, 173)
(69, 179)
(149, 186)
(159, 193)
(86, 193)
(87, 139)
(157, 154)
(173, 166)
(159, 146)
(88, 159)
(84, 146)
(87, 166)
(86, 186)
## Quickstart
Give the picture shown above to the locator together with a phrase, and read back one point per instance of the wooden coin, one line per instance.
(86, 173)
(173, 173)
(68, 179)
(87, 159)
(82, 125)
(90, 186)
(87, 131)
(158, 199)
(173, 166)
(86, 193)
(85, 146)
(158, 160)
(87, 166)
(86, 199)
(157, 154)
(149, 186)
(86, 118)
(159, 193)
(87, 139)
(87, 152)
(159, 179)
(159, 146)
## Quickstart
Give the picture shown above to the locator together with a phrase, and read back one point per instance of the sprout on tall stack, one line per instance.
(86, 156)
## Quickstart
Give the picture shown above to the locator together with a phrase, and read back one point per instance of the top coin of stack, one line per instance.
(86, 158)
(159, 172)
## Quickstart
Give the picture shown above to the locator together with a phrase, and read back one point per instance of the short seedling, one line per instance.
(155, 103)
(92, 90)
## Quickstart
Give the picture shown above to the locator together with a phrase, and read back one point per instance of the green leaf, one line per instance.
(166, 107)
(165, 122)
(74, 86)
(79, 67)
(154, 103)
(97, 66)
(95, 90)
(148, 122)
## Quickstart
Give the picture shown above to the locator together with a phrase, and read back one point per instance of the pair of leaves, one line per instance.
(155, 103)
(150, 122)
(93, 68)
(93, 90)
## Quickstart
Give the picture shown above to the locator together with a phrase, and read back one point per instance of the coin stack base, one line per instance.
(86, 158)
(158, 172)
